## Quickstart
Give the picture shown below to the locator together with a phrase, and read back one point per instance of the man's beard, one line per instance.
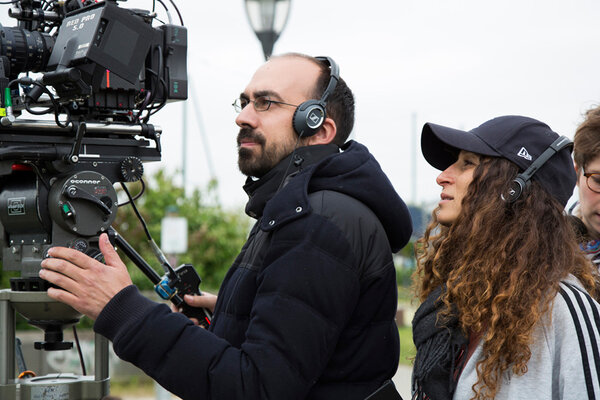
(258, 161)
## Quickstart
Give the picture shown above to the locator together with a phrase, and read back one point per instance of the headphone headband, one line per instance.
(334, 77)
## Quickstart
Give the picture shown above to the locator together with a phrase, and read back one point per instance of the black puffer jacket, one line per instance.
(307, 309)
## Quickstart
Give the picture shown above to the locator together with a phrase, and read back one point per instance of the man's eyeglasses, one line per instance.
(593, 181)
(261, 103)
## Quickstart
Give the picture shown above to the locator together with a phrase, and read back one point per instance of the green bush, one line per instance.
(403, 276)
(407, 347)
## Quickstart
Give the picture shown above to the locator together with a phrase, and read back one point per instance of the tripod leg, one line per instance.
(7, 342)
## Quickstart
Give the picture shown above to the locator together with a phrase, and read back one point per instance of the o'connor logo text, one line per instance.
(16, 206)
(84, 181)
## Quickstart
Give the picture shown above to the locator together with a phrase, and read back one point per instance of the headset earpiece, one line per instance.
(310, 115)
(516, 188)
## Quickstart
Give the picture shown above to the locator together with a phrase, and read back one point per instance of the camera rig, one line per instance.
(101, 71)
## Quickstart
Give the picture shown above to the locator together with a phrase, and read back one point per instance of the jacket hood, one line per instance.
(353, 172)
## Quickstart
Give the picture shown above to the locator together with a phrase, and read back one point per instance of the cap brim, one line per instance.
(440, 145)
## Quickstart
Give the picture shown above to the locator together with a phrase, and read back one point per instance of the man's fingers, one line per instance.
(79, 260)
(58, 279)
(58, 269)
(195, 301)
(71, 255)
(207, 301)
(62, 296)
(108, 251)
(80, 303)
(88, 284)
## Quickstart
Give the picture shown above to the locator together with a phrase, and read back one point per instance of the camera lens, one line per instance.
(26, 50)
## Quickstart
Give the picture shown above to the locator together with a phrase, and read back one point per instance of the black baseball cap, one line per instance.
(521, 140)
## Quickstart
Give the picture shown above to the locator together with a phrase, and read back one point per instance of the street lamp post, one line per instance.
(267, 18)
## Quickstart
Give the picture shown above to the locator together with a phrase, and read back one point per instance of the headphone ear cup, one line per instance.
(516, 188)
(309, 117)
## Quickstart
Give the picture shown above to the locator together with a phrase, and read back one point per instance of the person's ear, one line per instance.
(325, 134)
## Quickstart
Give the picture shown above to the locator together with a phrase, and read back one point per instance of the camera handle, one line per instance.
(173, 288)
(73, 157)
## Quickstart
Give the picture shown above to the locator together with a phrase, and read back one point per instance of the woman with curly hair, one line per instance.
(508, 309)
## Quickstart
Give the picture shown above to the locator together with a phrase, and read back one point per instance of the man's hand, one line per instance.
(207, 301)
(88, 284)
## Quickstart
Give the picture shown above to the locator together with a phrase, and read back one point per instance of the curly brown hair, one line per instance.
(501, 264)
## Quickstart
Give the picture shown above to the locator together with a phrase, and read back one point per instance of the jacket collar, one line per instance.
(262, 190)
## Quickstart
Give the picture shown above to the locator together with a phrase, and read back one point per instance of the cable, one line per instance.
(137, 196)
(13, 82)
(156, 78)
(160, 20)
(159, 80)
(289, 164)
(155, 249)
(162, 103)
(178, 13)
(67, 113)
(56, 105)
(42, 112)
(46, 90)
(135, 209)
(160, 67)
(39, 174)
(167, 10)
(142, 106)
(79, 351)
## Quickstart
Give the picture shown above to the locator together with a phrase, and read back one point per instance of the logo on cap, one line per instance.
(524, 153)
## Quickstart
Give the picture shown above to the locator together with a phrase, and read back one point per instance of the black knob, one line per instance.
(132, 169)
(79, 244)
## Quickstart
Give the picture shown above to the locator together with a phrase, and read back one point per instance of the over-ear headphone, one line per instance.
(310, 115)
(523, 180)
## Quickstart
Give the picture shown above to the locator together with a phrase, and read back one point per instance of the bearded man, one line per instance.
(307, 309)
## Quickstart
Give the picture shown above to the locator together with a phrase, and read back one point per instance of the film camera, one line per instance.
(91, 74)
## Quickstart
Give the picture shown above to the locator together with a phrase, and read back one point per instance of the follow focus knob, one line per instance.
(132, 169)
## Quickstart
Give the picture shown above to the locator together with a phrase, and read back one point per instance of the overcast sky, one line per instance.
(455, 63)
